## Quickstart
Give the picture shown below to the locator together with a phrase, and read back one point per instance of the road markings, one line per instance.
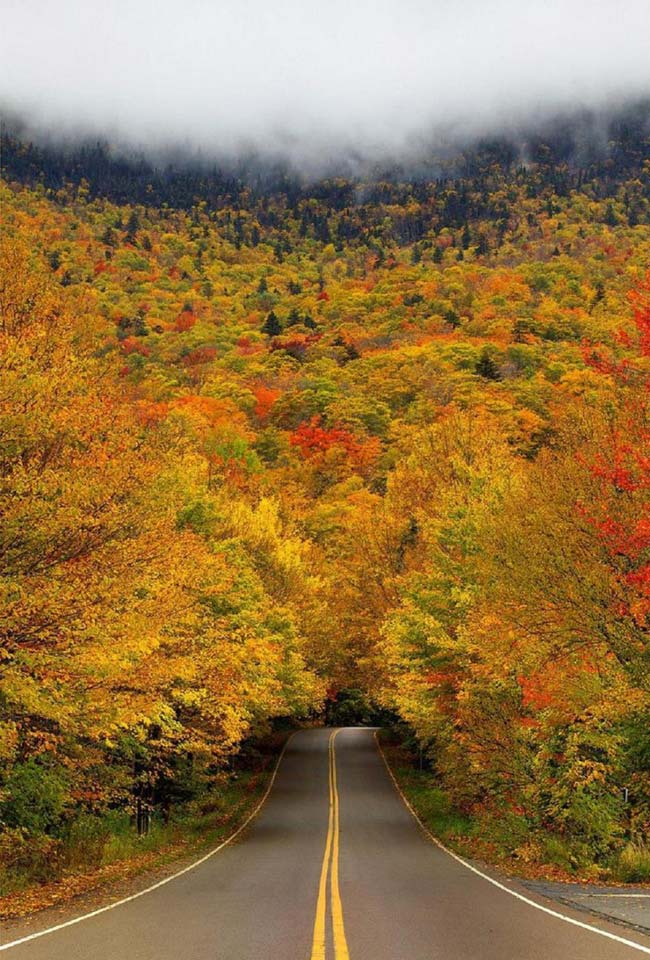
(318, 942)
(161, 883)
(330, 866)
(340, 942)
(501, 886)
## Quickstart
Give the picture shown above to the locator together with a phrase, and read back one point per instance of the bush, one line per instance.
(352, 708)
(633, 865)
(507, 830)
(87, 837)
(26, 859)
(35, 798)
(556, 851)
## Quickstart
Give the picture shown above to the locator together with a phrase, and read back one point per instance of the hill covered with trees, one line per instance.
(266, 441)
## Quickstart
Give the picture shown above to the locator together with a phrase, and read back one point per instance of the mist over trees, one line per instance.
(580, 146)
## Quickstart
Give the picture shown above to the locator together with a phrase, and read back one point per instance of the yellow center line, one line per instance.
(318, 943)
(330, 858)
(338, 928)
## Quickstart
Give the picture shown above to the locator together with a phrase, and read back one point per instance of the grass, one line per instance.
(432, 805)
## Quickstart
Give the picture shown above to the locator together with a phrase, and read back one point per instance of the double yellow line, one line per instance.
(330, 867)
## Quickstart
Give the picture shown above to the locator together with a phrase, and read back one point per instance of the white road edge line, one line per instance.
(501, 886)
(161, 883)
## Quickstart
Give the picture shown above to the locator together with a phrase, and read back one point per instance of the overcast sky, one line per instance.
(314, 77)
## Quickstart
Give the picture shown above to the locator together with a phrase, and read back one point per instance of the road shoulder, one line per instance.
(629, 906)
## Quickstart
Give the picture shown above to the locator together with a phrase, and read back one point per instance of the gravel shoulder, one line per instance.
(625, 905)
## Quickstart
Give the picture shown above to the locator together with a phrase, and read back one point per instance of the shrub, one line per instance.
(558, 852)
(87, 837)
(25, 859)
(633, 864)
(34, 798)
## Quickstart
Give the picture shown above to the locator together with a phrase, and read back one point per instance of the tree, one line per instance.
(486, 367)
(135, 628)
(272, 326)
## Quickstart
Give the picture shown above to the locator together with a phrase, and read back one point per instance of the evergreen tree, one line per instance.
(272, 326)
(109, 237)
(599, 295)
(486, 367)
(132, 227)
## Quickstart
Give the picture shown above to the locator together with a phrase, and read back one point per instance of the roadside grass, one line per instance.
(431, 804)
(37, 872)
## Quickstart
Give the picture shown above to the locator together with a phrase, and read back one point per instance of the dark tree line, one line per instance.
(397, 204)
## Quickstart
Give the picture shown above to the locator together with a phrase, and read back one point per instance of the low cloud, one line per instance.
(315, 81)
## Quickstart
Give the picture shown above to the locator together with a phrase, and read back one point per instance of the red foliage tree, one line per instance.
(184, 321)
(265, 397)
(315, 441)
(621, 513)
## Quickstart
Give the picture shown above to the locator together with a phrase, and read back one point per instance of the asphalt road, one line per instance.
(333, 868)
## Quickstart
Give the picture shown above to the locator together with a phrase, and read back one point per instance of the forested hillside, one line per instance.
(261, 444)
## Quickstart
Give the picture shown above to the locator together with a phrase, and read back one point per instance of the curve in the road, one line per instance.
(333, 835)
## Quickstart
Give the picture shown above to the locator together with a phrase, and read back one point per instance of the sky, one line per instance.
(310, 80)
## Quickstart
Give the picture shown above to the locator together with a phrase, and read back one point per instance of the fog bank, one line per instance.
(313, 81)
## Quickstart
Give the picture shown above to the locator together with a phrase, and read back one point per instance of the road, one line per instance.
(334, 868)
